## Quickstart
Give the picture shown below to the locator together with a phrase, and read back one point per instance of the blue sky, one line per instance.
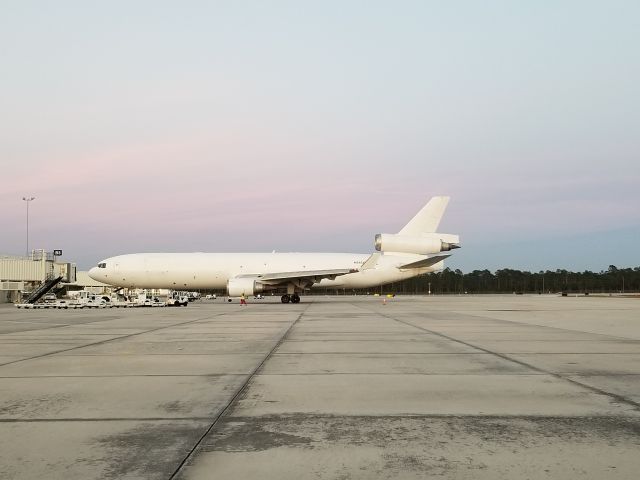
(311, 126)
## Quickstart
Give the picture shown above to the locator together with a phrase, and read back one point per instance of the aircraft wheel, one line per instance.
(285, 299)
(295, 298)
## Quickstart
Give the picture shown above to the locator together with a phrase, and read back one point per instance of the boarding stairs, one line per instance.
(43, 289)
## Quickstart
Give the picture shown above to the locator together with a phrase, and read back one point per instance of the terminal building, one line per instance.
(40, 270)
(40, 273)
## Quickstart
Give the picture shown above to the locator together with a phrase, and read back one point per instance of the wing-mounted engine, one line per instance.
(421, 244)
(244, 286)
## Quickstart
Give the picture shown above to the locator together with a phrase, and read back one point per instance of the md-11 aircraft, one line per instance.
(413, 251)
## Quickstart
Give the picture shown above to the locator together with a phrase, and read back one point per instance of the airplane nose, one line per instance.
(93, 273)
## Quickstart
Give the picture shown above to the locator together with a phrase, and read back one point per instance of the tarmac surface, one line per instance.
(464, 387)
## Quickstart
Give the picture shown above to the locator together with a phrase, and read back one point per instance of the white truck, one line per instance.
(92, 300)
(119, 301)
(175, 299)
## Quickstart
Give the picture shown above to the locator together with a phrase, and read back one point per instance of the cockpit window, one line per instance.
(102, 265)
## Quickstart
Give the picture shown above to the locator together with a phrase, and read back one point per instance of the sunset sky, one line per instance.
(310, 126)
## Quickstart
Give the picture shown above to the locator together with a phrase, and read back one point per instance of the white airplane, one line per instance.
(414, 250)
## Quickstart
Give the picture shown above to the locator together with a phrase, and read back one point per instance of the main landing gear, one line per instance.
(295, 298)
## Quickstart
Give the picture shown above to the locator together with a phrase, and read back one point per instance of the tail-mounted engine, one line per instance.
(424, 244)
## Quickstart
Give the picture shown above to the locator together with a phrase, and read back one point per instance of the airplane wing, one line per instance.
(426, 262)
(306, 276)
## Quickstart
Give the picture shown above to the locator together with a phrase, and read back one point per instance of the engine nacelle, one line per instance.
(237, 287)
(425, 244)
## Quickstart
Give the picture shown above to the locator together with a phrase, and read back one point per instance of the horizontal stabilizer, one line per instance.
(426, 262)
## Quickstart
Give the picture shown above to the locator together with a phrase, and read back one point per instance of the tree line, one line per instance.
(507, 280)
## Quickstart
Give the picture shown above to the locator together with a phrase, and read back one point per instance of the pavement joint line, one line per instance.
(511, 322)
(338, 352)
(630, 418)
(540, 416)
(58, 325)
(571, 353)
(405, 340)
(37, 329)
(447, 374)
(117, 354)
(21, 322)
(95, 419)
(101, 342)
(368, 354)
(306, 374)
(238, 393)
(131, 375)
(454, 353)
(614, 396)
(158, 341)
(71, 334)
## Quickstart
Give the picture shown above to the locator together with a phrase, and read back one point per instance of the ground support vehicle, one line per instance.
(175, 299)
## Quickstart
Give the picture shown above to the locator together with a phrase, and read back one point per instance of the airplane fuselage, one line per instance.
(214, 270)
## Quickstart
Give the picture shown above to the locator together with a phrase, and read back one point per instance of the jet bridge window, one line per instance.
(102, 265)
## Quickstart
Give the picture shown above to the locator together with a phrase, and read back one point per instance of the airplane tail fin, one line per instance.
(427, 219)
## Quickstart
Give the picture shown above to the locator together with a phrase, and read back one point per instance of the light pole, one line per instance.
(28, 200)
